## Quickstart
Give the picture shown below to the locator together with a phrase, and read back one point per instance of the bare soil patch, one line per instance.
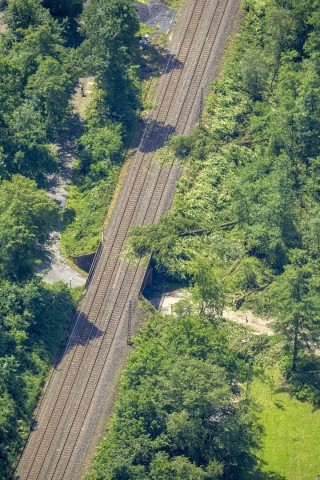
(166, 302)
(246, 318)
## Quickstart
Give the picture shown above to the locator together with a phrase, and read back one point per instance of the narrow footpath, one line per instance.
(58, 269)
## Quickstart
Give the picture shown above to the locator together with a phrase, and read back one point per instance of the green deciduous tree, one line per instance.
(308, 112)
(178, 468)
(295, 300)
(99, 149)
(254, 73)
(176, 417)
(26, 146)
(32, 319)
(49, 88)
(37, 44)
(27, 218)
(207, 291)
(25, 13)
(36, 77)
(110, 27)
(311, 233)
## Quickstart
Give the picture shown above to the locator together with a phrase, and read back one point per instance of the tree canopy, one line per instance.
(42, 56)
(249, 201)
(178, 415)
(110, 27)
(27, 216)
(29, 314)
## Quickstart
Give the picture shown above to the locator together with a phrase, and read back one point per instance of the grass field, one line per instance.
(291, 447)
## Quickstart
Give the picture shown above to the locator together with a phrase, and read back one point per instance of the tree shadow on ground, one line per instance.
(155, 135)
(156, 60)
(258, 474)
(279, 405)
(83, 333)
(282, 389)
(305, 381)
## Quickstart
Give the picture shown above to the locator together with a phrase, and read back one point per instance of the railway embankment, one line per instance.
(79, 395)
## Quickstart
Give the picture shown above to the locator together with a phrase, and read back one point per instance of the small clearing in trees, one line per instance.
(156, 15)
(168, 300)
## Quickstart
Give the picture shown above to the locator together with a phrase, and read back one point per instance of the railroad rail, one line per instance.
(80, 390)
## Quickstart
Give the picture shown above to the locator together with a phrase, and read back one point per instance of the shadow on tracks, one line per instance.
(157, 60)
(84, 332)
(155, 136)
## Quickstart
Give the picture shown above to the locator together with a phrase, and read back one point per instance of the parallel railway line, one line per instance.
(54, 447)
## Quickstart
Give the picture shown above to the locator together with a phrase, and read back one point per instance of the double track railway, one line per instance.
(81, 385)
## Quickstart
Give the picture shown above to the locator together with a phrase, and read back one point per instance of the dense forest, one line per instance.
(46, 46)
(244, 230)
(179, 413)
(245, 221)
(36, 82)
(243, 233)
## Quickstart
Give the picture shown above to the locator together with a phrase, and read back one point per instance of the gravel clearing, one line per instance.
(156, 15)
(168, 300)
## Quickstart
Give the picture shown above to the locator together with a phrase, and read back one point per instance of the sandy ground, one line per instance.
(156, 15)
(259, 324)
(3, 26)
(58, 270)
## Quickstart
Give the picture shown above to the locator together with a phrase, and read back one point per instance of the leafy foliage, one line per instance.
(50, 87)
(108, 52)
(250, 199)
(29, 313)
(95, 178)
(37, 76)
(25, 13)
(85, 214)
(26, 219)
(110, 27)
(177, 415)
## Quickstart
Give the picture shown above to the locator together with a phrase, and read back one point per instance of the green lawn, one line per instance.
(292, 442)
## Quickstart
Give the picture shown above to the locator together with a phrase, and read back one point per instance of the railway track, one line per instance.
(80, 385)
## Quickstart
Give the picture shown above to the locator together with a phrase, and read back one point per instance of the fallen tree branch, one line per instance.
(228, 224)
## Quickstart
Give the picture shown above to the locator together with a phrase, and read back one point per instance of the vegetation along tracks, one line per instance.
(68, 414)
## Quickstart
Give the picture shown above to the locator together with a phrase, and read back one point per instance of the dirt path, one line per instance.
(3, 26)
(260, 325)
(59, 269)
